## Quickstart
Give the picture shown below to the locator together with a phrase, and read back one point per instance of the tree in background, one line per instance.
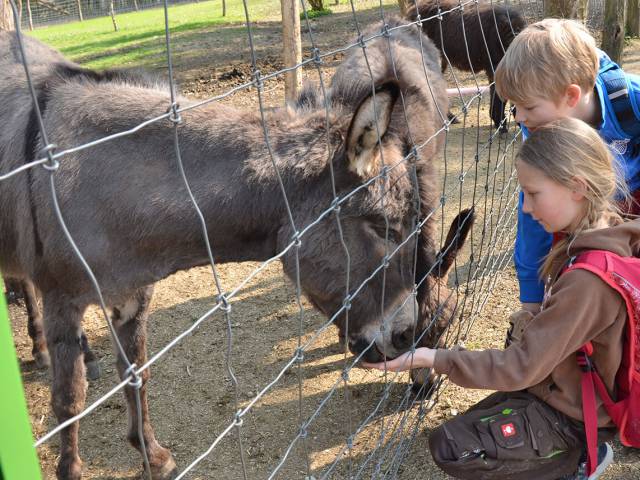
(613, 31)
(633, 18)
(6, 15)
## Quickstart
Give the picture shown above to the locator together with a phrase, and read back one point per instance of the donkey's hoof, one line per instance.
(69, 470)
(43, 361)
(167, 471)
(93, 371)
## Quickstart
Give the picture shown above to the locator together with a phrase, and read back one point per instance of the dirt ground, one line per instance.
(192, 398)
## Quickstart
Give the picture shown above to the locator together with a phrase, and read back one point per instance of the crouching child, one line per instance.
(533, 427)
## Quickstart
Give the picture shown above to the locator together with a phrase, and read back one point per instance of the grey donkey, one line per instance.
(126, 207)
(18, 291)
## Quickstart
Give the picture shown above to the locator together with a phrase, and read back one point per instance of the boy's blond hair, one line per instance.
(544, 59)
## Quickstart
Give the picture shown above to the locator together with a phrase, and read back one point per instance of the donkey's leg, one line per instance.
(68, 389)
(496, 110)
(130, 322)
(34, 325)
(90, 359)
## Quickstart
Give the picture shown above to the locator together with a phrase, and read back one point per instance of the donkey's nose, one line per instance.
(371, 353)
(402, 340)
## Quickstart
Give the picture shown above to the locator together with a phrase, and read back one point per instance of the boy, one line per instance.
(553, 69)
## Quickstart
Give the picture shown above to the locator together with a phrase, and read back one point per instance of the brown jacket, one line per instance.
(579, 307)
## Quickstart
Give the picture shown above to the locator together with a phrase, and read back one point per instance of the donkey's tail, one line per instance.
(458, 233)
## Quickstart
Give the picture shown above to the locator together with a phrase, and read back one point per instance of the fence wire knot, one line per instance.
(299, 354)
(418, 19)
(303, 432)
(361, 41)
(350, 442)
(386, 261)
(316, 56)
(175, 115)
(257, 79)
(237, 419)
(346, 303)
(297, 240)
(226, 306)
(385, 31)
(136, 380)
(335, 205)
(384, 172)
(52, 165)
(345, 375)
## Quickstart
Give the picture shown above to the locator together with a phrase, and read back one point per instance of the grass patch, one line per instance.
(316, 13)
(140, 37)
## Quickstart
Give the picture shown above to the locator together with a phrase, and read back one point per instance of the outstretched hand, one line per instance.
(422, 358)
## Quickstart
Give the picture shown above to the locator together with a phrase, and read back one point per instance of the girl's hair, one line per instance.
(567, 149)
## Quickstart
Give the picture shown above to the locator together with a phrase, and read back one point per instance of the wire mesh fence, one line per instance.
(37, 13)
(353, 190)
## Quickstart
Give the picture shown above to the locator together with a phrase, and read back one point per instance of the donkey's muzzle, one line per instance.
(403, 340)
(371, 353)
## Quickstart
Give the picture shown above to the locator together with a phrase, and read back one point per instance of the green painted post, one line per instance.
(18, 459)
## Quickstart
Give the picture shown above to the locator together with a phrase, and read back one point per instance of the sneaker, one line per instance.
(605, 457)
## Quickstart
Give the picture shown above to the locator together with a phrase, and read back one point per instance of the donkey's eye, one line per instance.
(393, 235)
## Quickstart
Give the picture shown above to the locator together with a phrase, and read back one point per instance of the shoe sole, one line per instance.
(602, 466)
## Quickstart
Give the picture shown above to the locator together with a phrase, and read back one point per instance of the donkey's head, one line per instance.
(360, 262)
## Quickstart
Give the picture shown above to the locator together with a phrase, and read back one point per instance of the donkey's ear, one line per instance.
(362, 138)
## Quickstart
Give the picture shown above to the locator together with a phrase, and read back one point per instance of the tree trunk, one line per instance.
(6, 16)
(565, 8)
(224, 8)
(29, 15)
(292, 47)
(79, 3)
(633, 18)
(112, 12)
(135, 5)
(613, 31)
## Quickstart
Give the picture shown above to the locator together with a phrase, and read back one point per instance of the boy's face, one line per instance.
(556, 207)
(536, 112)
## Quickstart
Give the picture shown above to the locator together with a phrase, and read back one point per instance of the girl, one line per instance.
(532, 427)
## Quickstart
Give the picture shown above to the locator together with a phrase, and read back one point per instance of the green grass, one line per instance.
(140, 35)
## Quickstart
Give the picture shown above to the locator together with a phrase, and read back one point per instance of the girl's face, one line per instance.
(556, 207)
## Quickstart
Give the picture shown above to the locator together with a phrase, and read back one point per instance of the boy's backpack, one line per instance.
(618, 88)
(623, 275)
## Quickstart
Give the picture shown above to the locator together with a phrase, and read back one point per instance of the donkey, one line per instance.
(129, 213)
(24, 290)
(474, 39)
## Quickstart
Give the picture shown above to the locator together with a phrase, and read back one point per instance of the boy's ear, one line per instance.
(573, 95)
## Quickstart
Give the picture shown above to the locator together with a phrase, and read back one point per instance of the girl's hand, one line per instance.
(422, 358)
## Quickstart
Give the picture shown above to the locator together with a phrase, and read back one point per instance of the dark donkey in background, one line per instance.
(130, 215)
(473, 39)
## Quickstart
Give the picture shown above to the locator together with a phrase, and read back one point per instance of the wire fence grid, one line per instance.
(474, 169)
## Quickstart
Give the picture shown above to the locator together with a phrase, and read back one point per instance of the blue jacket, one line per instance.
(532, 242)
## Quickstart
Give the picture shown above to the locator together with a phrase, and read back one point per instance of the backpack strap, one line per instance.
(589, 411)
(617, 88)
(596, 262)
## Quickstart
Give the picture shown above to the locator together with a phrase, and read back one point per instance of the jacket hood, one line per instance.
(622, 239)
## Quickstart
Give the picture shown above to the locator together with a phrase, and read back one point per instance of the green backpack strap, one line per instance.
(18, 459)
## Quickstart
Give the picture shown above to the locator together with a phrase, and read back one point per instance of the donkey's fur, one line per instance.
(489, 28)
(129, 213)
(25, 290)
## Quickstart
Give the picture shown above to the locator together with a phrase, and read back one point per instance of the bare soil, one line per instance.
(192, 398)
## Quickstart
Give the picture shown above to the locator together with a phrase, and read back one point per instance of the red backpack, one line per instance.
(623, 275)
